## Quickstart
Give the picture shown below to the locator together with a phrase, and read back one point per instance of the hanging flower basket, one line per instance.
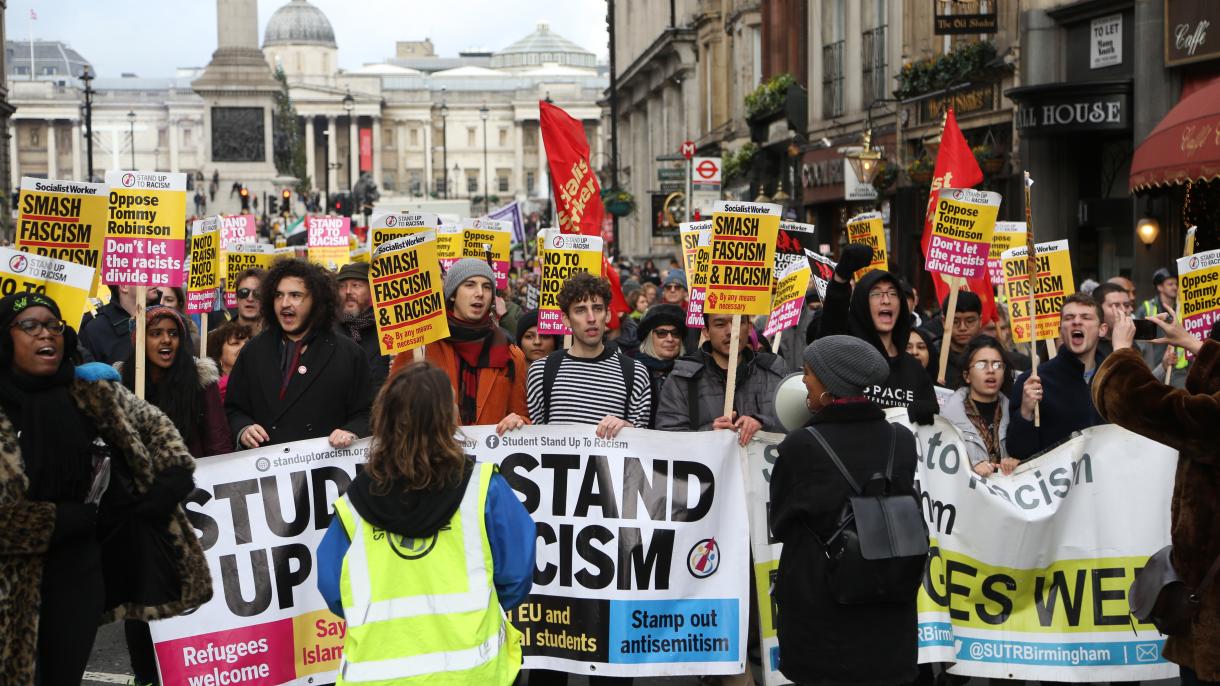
(618, 202)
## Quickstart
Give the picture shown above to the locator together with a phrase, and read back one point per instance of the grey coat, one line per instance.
(758, 377)
(954, 412)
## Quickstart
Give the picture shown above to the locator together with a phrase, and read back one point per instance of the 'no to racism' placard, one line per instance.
(408, 301)
(565, 254)
(241, 257)
(1053, 283)
(205, 266)
(145, 229)
(743, 257)
(67, 283)
(62, 219)
(961, 232)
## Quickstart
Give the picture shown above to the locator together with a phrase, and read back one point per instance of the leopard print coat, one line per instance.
(148, 440)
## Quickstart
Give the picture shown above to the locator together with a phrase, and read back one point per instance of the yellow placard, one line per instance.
(328, 240)
(145, 229)
(743, 257)
(318, 639)
(788, 299)
(408, 296)
(448, 246)
(490, 239)
(241, 257)
(204, 278)
(386, 226)
(868, 229)
(67, 283)
(1199, 292)
(961, 232)
(65, 220)
(566, 254)
(1007, 235)
(1052, 285)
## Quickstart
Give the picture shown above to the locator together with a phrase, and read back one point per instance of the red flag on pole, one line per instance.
(955, 168)
(577, 194)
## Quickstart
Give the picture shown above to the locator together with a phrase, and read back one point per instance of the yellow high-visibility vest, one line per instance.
(425, 610)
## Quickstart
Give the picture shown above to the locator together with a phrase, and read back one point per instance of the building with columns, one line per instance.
(421, 124)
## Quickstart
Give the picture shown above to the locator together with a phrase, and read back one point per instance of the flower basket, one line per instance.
(993, 165)
(618, 202)
(922, 178)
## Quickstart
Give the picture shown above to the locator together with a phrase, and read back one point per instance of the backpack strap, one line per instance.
(628, 366)
(889, 465)
(835, 459)
(550, 371)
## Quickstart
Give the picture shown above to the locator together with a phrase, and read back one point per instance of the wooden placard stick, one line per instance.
(1032, 273)
(417, 354)
(141, 352)
(955, 287)
(203, 334)
(1187, 251)
(730, 384)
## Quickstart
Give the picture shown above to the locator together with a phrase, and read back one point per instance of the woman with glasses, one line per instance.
(65, 566)
(979, 409)
(662, 330)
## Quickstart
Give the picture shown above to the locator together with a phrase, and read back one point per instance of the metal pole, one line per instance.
(131, 123)
(610, 20)
(486, 197)
(689, 167)
(89, 130)
(445, 150)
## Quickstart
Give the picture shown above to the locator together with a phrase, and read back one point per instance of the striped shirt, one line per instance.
(586, 390)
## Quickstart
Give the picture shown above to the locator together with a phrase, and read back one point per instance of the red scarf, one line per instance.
(478, 345)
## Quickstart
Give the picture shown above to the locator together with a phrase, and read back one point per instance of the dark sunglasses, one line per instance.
(666, 333)
(243, 293)
(673, 287)
(34, 326)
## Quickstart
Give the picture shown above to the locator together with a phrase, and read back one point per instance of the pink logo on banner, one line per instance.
(254, 655)
(390, 221)
(237, 229)
(129, 180)
(18, 263)
(328, 231)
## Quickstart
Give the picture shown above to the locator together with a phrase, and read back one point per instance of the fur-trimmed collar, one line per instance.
(206, 367)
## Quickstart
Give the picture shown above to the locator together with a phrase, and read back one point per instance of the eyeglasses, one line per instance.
(965, 322)
(666, 333)
(33, 326)
(993, 365)
(883, 295)
(673, 287)
(243, 293)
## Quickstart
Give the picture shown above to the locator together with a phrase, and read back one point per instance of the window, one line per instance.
(162, 137)
(387, 137)
(876, 79)
(388, 180)
(438, 182)
(472, 182)
(503, 138)
(415, 184)
(186, 137)
(832, 59)
(529, 182)
(502, 180)
(470, 136)
(35, 136)
(414, 137)
(531, 137)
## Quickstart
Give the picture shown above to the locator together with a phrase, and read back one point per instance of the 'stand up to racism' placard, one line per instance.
(1052, 284)
(67, 283)
(241, 257)
(387, 226)
(1199, 281)
(204, 277)
(743, 257)
(408, 301)
(696, 257)
(961, 232)
(62, 219)
(145, 229)
(328, 240)
(566, 254)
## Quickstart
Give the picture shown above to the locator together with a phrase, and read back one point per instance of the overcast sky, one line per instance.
(152, 37)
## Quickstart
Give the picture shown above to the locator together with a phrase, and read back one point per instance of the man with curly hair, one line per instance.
(299, 378)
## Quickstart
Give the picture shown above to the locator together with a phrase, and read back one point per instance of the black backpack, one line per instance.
(878, 551)
(550, 372)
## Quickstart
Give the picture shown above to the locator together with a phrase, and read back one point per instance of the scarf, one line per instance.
(53, 434)
(990, 434)
(356, 323)
(478, 345)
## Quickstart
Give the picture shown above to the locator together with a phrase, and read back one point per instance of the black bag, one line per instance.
(1159, 596)
(879, 550)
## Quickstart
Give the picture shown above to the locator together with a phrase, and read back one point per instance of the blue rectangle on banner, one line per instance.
(673, 630)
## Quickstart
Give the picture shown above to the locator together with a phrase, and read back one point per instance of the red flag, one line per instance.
(955, 168)
(577, 194)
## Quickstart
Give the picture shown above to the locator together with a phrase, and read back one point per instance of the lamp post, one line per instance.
(86, 77)
(483, 112)
(457, 174)
(349, 104)
(445, 141)
(131, 123)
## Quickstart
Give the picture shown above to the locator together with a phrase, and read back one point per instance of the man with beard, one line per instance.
(356, 318)
(1061, 387)
(249, 310)
(299, 378)
(487, 372)
(876, 311)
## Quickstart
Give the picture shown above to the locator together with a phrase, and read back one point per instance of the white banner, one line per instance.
(641, 569)
(1029, 573)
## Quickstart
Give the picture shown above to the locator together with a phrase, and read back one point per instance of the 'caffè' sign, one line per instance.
(1192, 31)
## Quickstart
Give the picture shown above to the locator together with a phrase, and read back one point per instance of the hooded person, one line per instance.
(487, 371)
(876, 312)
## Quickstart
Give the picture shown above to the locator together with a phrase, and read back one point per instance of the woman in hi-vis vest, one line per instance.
(427, 550)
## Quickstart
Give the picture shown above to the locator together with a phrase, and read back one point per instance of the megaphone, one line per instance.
(790, 405)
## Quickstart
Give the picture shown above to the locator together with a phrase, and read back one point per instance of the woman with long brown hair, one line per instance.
(427, 550)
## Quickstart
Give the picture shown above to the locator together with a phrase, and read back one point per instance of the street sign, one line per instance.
(688, 149)
(706, 173)
(671, 174)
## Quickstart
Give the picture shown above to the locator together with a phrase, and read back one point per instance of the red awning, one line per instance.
(1184, 146)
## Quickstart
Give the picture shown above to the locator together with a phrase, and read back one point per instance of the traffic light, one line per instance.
(245, 197)
(343, 204)
(287, 205)
(272, 205)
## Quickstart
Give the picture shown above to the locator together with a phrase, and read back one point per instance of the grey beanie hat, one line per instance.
(464, 269)
(845, 365)
(675, 276)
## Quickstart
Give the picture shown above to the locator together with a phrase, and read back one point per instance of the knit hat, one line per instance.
(463, 269)
(675, 276)
(529, 320)
(845, 365)
(154, 312)
(15, 304)
(662, 314)
(353, 270)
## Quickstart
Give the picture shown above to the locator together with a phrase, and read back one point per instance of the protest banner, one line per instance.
(792, 243)
(1199, 292)
(823, 269)
(204, 277)
(63, 219)
(408, 297)
(241, 257)
(236, 229)
(448, 245)
(696, 240)
(1053, 283)
(565, 254)
(386, 226)
(868, 229)
(67, 283)
(490, 240)
(327, 238)
(1007, 235)
(641, 567)
(961, 232)
(1048, 604)
(789, 298)
(145, 229)
(743, 257)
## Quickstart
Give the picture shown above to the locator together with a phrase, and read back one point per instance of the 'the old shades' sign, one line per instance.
(1192, 31)
(947, 22)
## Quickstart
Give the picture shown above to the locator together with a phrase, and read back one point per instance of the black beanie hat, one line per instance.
(659, 315)
(15, 304)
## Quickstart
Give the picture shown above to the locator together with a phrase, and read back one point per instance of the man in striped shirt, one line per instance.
(588, 383)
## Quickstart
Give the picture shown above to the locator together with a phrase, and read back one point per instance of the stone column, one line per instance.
(376, 156)
(519, 158)
(52, 152)
(173, 145)
(332, 153)
(402, 153)
(115, 142)
(544, 177)
(353, 152)
(77, 173)
(311, 167)
(236, 24)
(13, 165)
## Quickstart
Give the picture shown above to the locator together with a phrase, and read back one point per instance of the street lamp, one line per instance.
(865, 161)
(131, 122)
(483, 112)
(445, 141)
(86, 77)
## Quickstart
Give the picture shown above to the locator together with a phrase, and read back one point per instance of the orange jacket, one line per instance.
(498, 394)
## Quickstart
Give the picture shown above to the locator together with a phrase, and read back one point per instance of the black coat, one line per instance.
(107, 336)
(1066, 407)
(333, 393)
(821, 641)
(379, 365)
